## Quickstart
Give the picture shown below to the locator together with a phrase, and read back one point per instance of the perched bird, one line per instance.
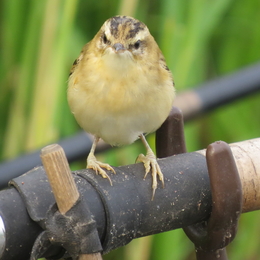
(120, 88)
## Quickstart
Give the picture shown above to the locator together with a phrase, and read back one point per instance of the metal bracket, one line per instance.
(169, 137)
(212, 235)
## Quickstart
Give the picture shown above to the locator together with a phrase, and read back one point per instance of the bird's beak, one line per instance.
(119, 47)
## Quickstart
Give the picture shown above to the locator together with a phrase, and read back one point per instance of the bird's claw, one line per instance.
(97, 166)
(151, 164)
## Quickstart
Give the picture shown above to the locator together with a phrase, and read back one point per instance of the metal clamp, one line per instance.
(170, 138)
(212, 235)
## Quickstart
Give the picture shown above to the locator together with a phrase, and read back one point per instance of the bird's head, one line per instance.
(123, 38)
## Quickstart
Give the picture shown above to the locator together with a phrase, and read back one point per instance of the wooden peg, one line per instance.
(62, 183)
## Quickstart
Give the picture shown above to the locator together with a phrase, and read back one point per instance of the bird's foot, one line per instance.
(150, 163)
(93, 163)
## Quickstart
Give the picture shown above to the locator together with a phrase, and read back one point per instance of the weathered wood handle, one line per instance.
(62, 183)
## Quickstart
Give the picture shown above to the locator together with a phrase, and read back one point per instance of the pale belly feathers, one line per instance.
(123, 110)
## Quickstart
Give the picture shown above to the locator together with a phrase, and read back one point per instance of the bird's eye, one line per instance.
(105, 40)
(137, 44)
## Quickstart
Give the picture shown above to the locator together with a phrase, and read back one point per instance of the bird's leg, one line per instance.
(150, 163)
(93, 163)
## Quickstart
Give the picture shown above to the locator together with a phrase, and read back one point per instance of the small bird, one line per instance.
(120, 89)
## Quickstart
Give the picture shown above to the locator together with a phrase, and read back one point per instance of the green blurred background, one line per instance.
(201, 40)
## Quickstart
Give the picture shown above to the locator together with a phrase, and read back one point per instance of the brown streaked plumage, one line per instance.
(120, 88)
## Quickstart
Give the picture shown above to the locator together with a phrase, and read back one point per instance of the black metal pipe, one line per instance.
(229, 88)
(75, 148)
(18, 231)
(218, 92)
(122, 212)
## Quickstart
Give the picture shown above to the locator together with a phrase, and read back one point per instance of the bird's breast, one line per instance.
(118, 107)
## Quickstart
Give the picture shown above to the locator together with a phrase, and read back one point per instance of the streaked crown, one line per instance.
(124, 32)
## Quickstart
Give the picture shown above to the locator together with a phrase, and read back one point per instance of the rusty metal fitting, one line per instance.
(169, 137)
(210, 236)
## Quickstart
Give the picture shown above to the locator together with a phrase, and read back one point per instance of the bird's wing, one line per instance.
(162, 62)
(77, 61)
